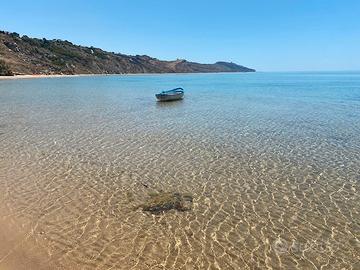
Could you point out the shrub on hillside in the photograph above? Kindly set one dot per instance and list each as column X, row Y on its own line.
column 5, row 69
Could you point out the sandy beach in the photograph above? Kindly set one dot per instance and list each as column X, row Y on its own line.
column 18, row 248
column 37, row 76
column 180, row 135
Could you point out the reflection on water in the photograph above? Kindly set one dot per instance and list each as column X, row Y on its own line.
column 170, row 104
column 271, row 160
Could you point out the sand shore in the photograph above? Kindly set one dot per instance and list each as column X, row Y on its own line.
column 36, row 76
column 19, row 249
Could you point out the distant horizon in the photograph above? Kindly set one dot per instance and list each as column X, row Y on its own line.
column 281, row 36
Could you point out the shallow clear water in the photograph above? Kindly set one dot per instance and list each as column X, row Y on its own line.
column 272, row 161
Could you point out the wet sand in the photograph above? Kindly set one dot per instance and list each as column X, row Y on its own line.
column 18, row 248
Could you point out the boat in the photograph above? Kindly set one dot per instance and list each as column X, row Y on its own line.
column 171, row 95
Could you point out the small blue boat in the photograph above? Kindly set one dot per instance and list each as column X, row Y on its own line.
column 170, row 95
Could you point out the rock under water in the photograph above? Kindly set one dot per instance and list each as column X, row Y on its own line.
column 165, row 201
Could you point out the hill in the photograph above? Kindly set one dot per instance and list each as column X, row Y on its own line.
column 25, row 55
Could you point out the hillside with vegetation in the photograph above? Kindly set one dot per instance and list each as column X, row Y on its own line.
column 24, row 55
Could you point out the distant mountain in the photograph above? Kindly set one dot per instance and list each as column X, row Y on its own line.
column 24, row 55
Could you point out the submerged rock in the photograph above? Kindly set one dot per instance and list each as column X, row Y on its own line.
column 165, row 201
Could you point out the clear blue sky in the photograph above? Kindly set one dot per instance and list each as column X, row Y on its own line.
column 269, row 35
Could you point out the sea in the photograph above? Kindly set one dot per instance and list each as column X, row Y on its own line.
column 270, row 159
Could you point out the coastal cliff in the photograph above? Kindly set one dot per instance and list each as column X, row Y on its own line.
column 22, row 55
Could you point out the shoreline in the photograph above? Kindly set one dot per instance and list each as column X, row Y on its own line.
column 40, row 76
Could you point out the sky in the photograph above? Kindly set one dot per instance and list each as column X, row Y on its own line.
column 268, row 35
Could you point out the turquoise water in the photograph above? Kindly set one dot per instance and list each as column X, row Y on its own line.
column 272, row 161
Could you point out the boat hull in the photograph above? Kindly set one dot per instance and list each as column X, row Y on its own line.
column 169, row 97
